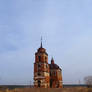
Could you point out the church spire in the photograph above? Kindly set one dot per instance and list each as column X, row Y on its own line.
column 41, row 42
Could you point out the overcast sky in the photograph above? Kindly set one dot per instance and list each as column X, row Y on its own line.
column 66, row 28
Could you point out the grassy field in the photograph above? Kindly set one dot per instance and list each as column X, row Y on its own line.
column 75, row 89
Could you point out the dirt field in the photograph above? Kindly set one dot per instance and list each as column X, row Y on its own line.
column 77, row 89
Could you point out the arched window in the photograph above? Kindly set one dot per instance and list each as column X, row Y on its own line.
column 46, row 65
column 39, row 58
column 54, row 73
column 50, row 73
column 39, row 74
column 45, row 59
column 39, row 65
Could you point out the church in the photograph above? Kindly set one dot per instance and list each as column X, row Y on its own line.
column 46, row 75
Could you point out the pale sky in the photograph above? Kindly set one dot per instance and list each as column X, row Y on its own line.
column 66, row 28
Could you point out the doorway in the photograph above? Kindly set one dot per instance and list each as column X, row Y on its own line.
column 39, row 83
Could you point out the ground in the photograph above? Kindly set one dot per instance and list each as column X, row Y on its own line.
column 73, row 89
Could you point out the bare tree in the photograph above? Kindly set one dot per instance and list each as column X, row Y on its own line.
column 88, row 81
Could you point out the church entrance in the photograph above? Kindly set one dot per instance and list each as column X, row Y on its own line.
column 39, row 83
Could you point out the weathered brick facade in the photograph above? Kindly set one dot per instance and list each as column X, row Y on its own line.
column 55, row 75
column 46, row 75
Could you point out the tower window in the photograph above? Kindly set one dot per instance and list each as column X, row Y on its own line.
column 46, row 66
column 39, row 74
column 54, row 73
column 50, row 74
column 39, row 58
column 39, row 65
column 45, row 59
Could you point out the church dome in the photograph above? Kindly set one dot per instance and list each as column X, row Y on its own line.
column 41, row 50
column 53, row 65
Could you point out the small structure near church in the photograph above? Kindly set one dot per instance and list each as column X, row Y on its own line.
column 46, row 75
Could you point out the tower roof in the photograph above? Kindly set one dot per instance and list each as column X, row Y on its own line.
column 41, row 49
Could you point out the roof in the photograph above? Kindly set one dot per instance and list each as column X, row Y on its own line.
column 54, row 66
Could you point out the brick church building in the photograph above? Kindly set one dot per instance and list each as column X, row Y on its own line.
column 46, row 75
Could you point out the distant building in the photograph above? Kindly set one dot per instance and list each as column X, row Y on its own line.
column 46, row 75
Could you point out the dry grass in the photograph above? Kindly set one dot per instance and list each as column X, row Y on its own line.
column 76, row 89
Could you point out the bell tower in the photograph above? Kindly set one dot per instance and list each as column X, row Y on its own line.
column 41, row 68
